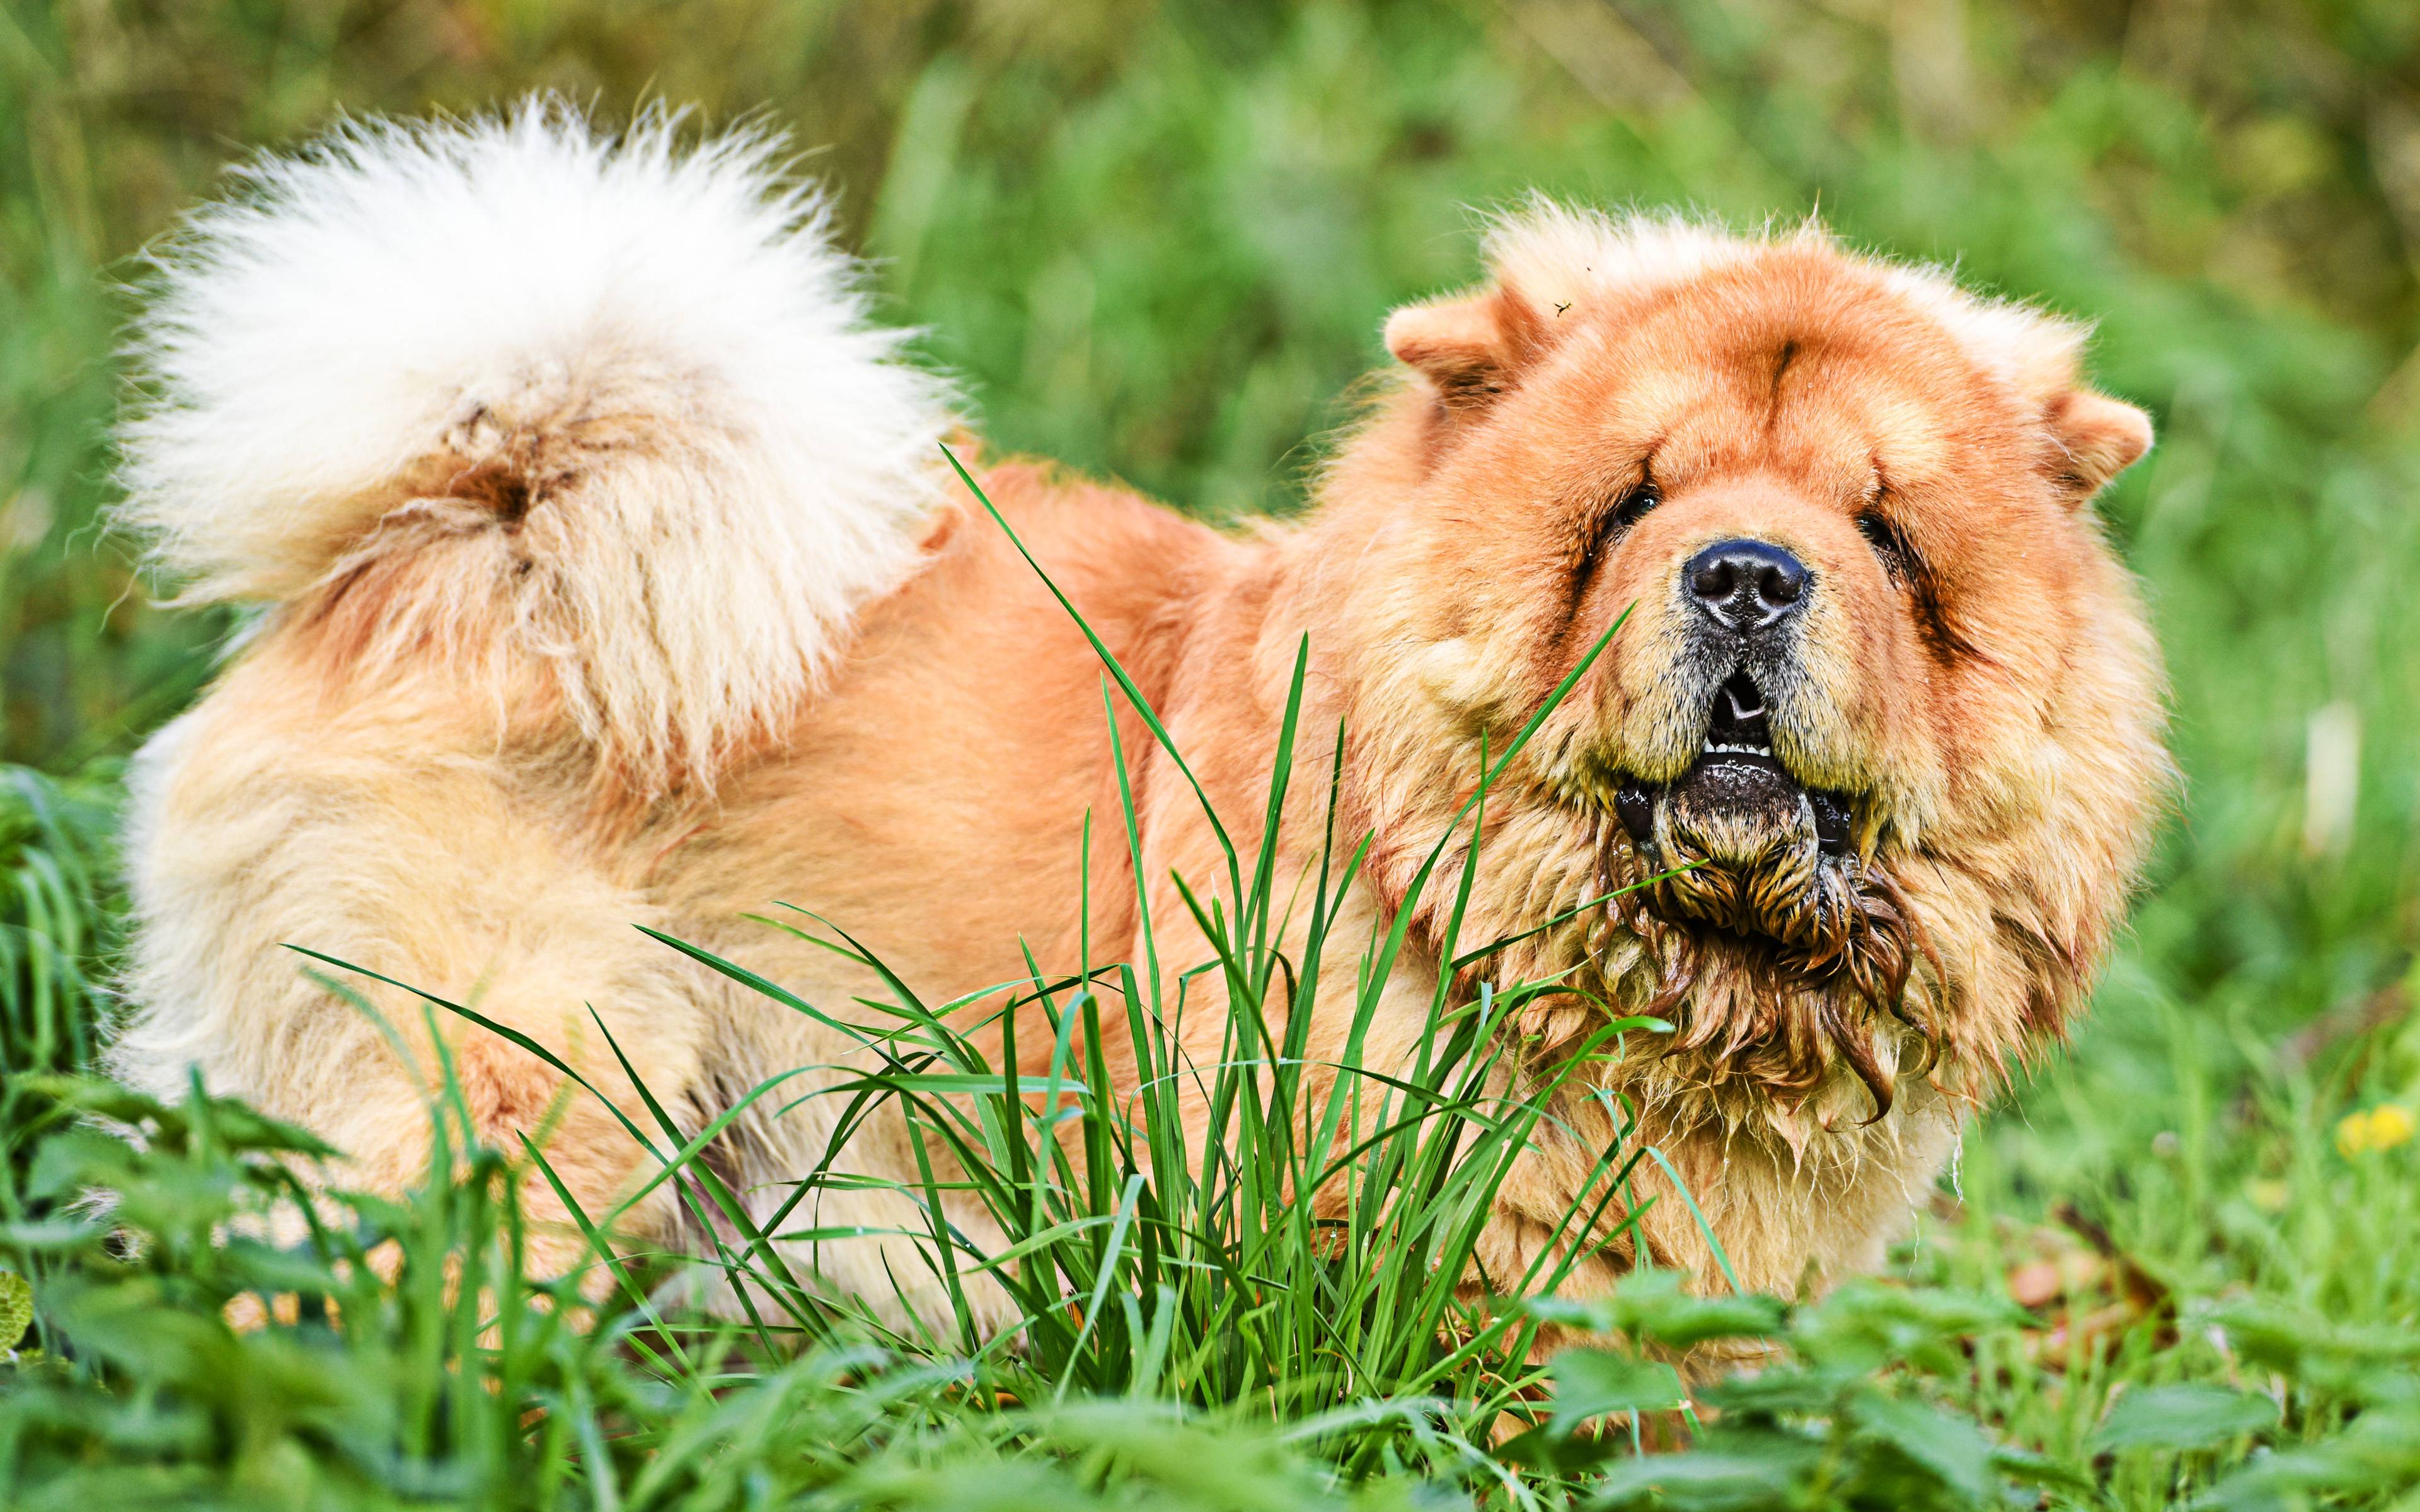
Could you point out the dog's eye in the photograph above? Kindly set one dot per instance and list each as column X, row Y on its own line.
column 1890, row 547
column 1626, row 512
column 1911, row 575
column 1631, row 507
column 1612, row 525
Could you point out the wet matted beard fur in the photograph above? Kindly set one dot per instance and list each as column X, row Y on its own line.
column 1824, row 978
column 1773, row 973
column 1776, row 958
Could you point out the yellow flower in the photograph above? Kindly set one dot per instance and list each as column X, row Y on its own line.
column 2382, row 1128
column 2389, row 1126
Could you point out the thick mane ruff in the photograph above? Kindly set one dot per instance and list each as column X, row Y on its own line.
column 1812, row 981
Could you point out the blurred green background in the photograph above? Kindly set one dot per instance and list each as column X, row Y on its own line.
column 1158, row 240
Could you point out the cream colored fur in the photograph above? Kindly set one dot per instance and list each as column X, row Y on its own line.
column 656, row 365
column 670, row 337
column 606, row 575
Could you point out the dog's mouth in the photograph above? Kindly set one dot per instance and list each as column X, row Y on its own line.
column 1744, row 871
column 1737, row 806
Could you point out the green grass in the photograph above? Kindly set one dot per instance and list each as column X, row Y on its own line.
column 1187, row 1331
column 1158, row 243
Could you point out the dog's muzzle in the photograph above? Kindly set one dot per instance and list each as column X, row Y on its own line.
column 1737, row 859
column 1764, row 855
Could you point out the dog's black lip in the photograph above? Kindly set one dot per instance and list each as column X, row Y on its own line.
column 1634, row 804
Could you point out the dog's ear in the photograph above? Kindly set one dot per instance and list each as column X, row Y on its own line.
column 1471, row 350
column 2097, row 437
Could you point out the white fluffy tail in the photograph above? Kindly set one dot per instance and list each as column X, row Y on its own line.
column 614, row 402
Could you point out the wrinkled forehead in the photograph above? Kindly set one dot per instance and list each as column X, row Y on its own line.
column 1791, row 362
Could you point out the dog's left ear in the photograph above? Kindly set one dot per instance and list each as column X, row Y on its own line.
column 2098, row 438
column 1472, row 349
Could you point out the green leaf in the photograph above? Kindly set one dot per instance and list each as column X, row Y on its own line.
column 1778, row 1390
column 2038, row 1469
column 42, row 1234
column 1866, row 1325
column 16, row 1308
column 2379, row 1455
column 1751, row 1473
column 1656, row 1306
column 1592, row 1382
column 2305, row 1346
column 2188, row 1416
column 1952, row 1450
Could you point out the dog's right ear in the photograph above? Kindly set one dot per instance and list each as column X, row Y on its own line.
column 1471, row 350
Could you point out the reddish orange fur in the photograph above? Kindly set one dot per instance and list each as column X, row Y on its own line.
column 2003, row 721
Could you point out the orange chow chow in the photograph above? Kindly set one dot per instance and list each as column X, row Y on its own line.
column 610, row 569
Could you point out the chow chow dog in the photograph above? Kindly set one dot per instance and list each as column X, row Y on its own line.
column 606, row 567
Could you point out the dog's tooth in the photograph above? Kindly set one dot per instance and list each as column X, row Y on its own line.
column 1868, row 834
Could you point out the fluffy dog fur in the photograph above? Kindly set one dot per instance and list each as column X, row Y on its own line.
column 609, row 572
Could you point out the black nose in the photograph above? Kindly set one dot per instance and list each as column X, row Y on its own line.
column 1745, row 585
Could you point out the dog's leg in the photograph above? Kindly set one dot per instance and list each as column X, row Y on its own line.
column 421, row 867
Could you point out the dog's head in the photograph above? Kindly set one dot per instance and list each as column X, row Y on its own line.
column 1879, row 730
